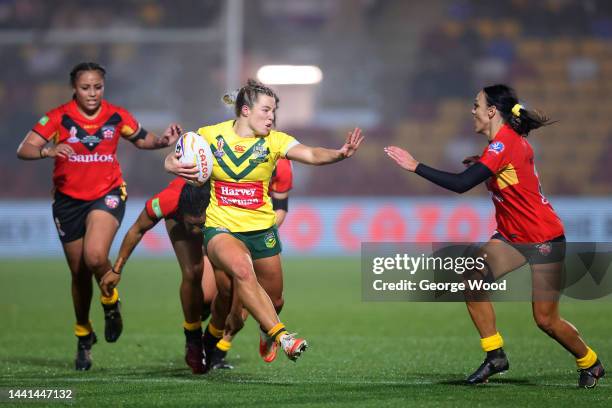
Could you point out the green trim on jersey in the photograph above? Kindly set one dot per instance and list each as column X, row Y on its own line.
column 237, row 161
column 156, row 208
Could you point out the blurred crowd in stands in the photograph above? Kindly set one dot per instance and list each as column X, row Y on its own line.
column 406, row 71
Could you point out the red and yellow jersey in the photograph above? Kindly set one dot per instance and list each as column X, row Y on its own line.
column 165, row 203
column 522, row 213
column 93, row 170
column 282, row 177
column 241, row 176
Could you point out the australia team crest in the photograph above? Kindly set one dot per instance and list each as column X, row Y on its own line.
column 259, row 155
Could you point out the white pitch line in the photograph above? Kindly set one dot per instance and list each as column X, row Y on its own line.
column 272, row 382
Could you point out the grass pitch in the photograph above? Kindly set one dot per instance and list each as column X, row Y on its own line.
column 361, row 354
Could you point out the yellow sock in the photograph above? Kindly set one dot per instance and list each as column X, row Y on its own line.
column 224, row 345
column 277, row 331
column 192, row 326
column 218, row 333
column 82, row 329
column 110, row 300
column 492, row 342
column 588, row 360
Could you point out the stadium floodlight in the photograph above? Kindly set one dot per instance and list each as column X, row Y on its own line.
column 290, row 74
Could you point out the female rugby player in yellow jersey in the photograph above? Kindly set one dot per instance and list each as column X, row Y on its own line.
column 240, row 235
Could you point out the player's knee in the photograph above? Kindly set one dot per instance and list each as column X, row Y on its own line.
column 545, row 322
column 96, row 260
column 192, row 275
column 243, row 272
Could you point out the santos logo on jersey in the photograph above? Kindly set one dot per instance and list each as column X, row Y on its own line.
column 91, row 158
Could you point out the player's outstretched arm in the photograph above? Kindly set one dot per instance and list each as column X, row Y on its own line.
column 112, row 277
column 320, row 155
column 459, row 183
column 151, row 141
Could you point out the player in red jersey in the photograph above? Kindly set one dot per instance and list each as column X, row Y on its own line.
column 227, row 318
column 90, row 195
column 183, row 207
column 528, row 229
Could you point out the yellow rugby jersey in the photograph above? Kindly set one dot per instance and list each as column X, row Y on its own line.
column 243, row 166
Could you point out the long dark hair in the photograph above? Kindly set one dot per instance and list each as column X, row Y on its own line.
column 519, row 118
column 194, row 200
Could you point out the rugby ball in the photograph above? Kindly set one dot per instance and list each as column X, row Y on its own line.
column 194, row 150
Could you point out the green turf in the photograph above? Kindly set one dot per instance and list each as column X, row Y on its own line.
column 362, row 354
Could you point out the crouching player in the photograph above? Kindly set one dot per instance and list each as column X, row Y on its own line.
column 183, row 207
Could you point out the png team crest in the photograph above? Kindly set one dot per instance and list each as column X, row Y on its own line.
column 544, row 249
column 108, row 132
column 496, row 147
column 111, row 201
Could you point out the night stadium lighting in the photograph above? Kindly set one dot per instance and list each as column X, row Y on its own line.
column 290, row 74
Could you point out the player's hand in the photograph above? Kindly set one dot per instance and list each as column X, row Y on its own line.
column 109, row 281
column 61, row 150
column 173, row 165
column 402, row 158
column 353, row 140
column 170, row 135
column 470, row 160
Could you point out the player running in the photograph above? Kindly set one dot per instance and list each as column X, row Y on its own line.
column 218, row 337
column 528, row 229
column 240, row 235
column 89, row 191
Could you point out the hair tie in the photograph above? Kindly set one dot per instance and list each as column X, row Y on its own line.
column 516, row 110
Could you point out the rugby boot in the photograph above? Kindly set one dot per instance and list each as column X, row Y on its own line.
column 215, row 360
column 113, row 323
column 195, row 356
column 589, row 376
column 292, row 346
column 495, row 362
column 267, row 347
column 82, row 361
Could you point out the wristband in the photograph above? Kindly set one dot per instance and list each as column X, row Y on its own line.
column 114, row 271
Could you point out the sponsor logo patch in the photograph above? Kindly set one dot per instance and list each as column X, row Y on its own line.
column 111, row 201
column 496, row 147
column 242, row 195
column 91, row 158
column 44, row 120
column 239, row 149
column 220, row 143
